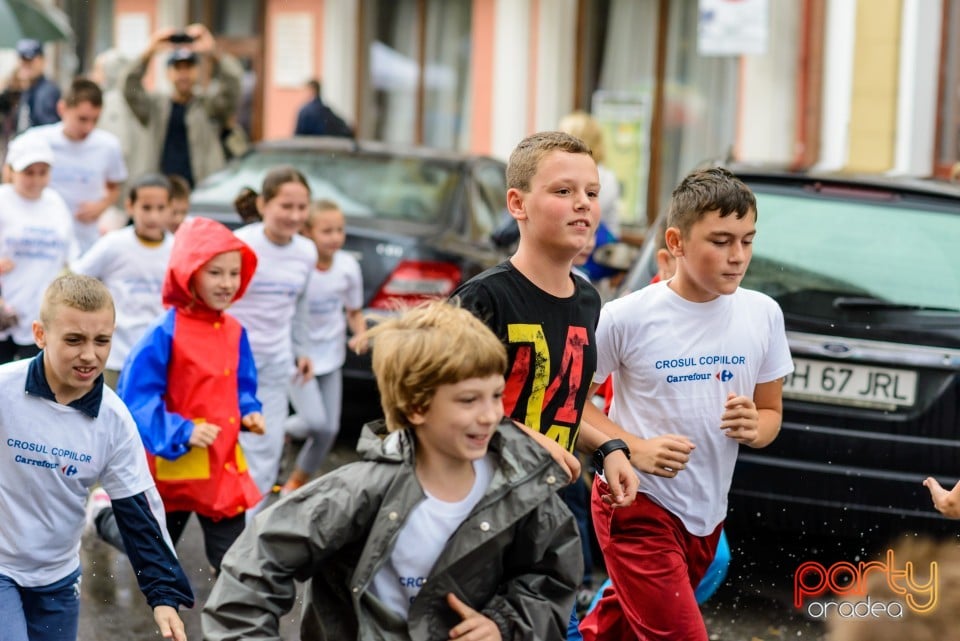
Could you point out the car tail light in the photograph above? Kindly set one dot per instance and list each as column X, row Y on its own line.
column 415, row 280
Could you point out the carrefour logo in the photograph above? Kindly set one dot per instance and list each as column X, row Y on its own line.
column 69, row 470
column 724, row 375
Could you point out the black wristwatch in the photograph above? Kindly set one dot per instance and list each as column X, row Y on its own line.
column 606, row 449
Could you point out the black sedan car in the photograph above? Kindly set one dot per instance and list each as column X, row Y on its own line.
column 419, row 221
column 867, row 272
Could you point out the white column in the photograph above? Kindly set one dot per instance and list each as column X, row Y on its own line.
column 917, row 87
column 767, row 117
column 511, row 69
column 340, row 71
column 837, row 84
column 556, row 51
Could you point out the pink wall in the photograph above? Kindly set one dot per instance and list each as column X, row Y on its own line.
column 481, row 61
column 280, row 104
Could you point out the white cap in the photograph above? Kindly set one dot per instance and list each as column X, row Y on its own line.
column 27, row 150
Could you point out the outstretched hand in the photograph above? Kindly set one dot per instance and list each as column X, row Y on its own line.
column 475, row 626
column 167, row 619
column 945, row 502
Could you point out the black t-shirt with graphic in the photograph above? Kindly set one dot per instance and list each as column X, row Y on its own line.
column 550, row 343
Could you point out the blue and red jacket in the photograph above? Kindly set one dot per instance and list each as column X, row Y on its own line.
column 194, row 364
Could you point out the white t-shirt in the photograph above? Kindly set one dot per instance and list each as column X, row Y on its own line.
column 133, row 271
column 50, row 457
column 422, row 538
column 37, row 235
column 674, row 362
column 330, row 292
column 81, row 170
column 268, row 307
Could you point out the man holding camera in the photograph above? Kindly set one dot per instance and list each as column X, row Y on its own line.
column 184, row 127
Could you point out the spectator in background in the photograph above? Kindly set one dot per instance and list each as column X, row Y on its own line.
column 116, row 116
column 586, row 128
column 179, row 202
column 317, row 119
column 30, row 93
column 183, row 128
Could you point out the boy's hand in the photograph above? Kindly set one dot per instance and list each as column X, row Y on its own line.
column 167, row 619
column 664, row 456
column 204, row 434
column 946, row 503
column 254, row 422
column 475, row 626
column 6, row 265
column 566, row 460
column 740, row 420
column 304, row 369
column 621, row 479
column 358, row 343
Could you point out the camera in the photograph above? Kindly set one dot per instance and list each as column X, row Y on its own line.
column 181, row 38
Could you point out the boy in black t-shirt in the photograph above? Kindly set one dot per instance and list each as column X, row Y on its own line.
column 544, row 315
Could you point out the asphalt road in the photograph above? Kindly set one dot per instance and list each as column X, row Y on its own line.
column 754, row 604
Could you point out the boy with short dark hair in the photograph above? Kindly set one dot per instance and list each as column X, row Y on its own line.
column 699, row 365
column 61, row 432
column 449, row 527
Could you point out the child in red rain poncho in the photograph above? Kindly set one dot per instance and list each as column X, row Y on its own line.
column 190, row 383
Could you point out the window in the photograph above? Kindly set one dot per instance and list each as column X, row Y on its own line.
column 418, row 61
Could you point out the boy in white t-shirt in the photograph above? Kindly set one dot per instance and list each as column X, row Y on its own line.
column 61, row 432
column 449, row 527
column 89, row 168
column 36, row 241
column 132, row 262
column 699, row 366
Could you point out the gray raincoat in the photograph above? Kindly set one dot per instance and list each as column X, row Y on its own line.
column 516, row 558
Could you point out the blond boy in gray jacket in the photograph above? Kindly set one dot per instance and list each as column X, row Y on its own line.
column 449, row 526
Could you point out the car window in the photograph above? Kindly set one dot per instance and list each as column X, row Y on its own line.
column 489, row 199
column 856, row 249
column 363, row 185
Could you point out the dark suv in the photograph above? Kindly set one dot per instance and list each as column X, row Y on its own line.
column 867, row 272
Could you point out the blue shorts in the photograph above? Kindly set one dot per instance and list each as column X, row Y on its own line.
column 44, row 613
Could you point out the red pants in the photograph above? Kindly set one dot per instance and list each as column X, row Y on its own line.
column 654, row 565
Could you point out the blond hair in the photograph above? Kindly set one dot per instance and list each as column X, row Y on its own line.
column 83, row 293
column 433, row 344
column 324, row 204
column 586, row 128
column 526, row 156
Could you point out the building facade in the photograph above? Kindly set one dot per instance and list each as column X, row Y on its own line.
column 847, row 85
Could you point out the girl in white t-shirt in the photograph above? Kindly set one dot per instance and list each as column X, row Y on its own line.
column 36, row 241
column 131, row 262
column 274, row 310
column 335, row 300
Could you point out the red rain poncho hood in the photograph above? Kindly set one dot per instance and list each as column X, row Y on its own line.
column 196, row 242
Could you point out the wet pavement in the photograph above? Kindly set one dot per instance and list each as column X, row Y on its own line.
column 754, row 604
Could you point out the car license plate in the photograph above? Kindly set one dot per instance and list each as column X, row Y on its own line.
column 850, row 384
